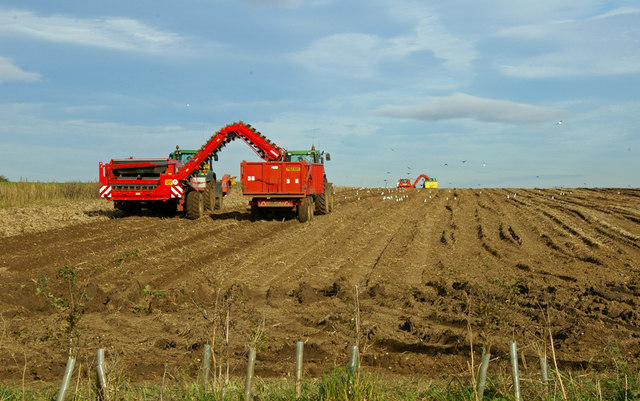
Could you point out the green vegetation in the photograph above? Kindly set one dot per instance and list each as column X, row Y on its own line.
column 126, row 255
column 68, row 303
column 342, row 384
column 148, row 294
column 23, row 193
column 345, row 384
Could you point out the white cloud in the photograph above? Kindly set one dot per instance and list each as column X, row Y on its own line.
column 124, row 34
column 606, row 44
column 430, row 34
column 11, row 72
column 349, row 53
column 358, row 54
column 460, row 105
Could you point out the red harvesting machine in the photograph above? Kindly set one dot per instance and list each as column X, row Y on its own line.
column 428, row 182
column 170, row 185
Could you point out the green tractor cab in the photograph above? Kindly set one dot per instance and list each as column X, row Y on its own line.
column 184, row 156
column 309, row 156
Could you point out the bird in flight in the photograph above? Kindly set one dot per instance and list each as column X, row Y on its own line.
column 559, row 122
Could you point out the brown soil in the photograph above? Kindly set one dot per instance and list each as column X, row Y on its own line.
column 423, row 264
column 35, row 219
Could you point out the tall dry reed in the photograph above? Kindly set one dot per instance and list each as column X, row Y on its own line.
column 20, row 194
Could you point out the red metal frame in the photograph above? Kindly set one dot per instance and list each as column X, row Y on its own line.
column 297, row 179
column 263, row 147
column 281, row 184
column 173, row 183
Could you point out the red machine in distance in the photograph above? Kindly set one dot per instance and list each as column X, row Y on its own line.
column 428, row 182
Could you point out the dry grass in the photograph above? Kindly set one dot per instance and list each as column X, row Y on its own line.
column 21, row 194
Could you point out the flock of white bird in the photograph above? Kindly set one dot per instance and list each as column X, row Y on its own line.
column 399, row 195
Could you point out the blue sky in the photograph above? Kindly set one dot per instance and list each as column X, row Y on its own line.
column 390, row 88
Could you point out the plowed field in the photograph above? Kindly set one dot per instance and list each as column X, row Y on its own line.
column 423, row 264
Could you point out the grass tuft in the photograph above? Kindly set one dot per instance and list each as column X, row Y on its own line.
column 347, row 384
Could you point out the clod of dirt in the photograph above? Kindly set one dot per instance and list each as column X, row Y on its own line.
column 377, row 290
column 236, row 294
column 164, row 343
column 97, row 299
column 305, row 294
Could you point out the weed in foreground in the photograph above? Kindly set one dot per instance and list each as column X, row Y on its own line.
column 344, row 384
column 347, row 384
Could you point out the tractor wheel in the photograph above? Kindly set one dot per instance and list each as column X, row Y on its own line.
column 330, row 197
column 304, row 211
column 209, row 196
column 218, row 196
column 323, row 199
column 195, row 205
column 312, row 207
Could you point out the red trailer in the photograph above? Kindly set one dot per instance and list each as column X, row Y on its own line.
column 298, row 184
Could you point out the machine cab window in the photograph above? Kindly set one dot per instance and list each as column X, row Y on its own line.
column 309, row 157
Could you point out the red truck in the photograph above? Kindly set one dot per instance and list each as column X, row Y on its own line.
column 169, row 185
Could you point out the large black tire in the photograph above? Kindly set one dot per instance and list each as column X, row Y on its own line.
column 330, row 196
column 194, row 205
column 218, row 195
column 304, row 211
column 323, row 199
column 209, row 196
